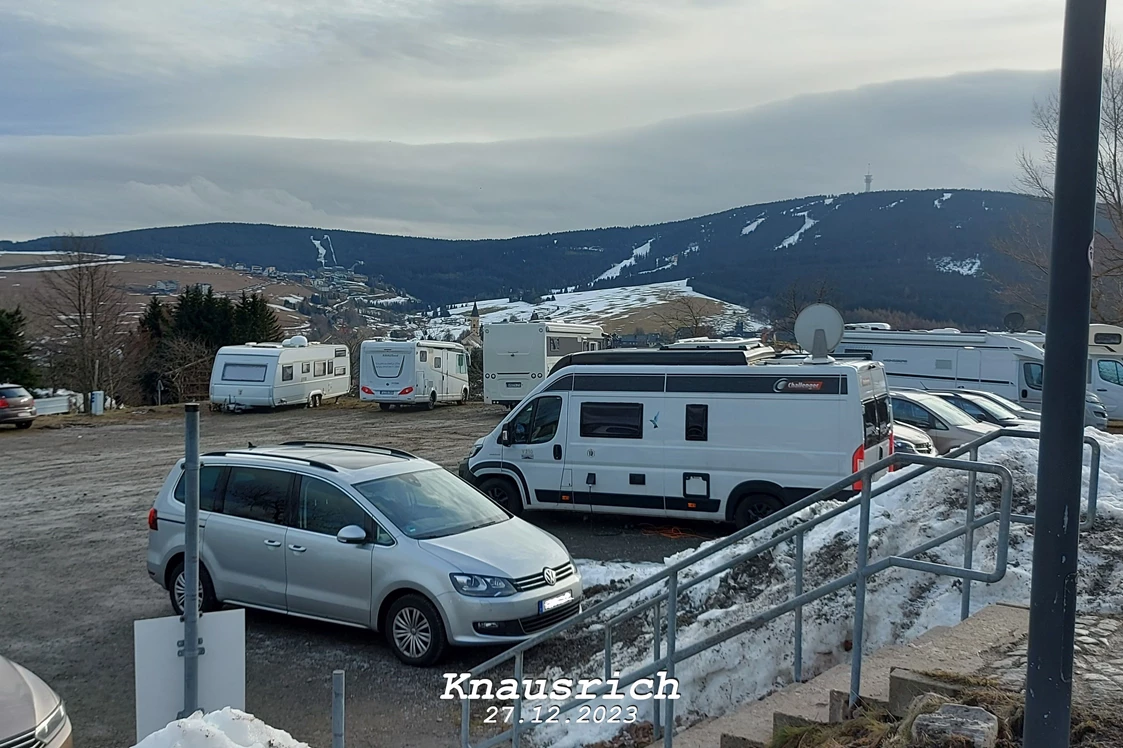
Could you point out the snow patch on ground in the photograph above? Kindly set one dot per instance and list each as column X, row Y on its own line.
column 752, row 226
column 939, row 202
column 901, row 604
column 391, row 301
column 808, row 222
column 828, row 201
column 892, row 205
column 614, row 271
column 969, row 266
column 228, row 728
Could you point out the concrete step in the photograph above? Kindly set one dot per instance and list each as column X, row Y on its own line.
column 958, row 649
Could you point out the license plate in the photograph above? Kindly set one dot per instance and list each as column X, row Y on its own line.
column 514, row 384
column 552, row 602
column 386, row 392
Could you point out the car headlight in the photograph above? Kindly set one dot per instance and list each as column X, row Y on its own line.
column 475, row 450
column 49, row 727
column 1093, row 398
column 900, row 445
column 476, row 585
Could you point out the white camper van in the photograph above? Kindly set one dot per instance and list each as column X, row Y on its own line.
column 721, row 434
column 949, row 359
column 519, row 355
column 412, row 372
column 267, row 375
column 1105, row 365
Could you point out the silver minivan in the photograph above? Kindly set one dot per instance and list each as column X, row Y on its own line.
column 364, row 536
column 947, row 426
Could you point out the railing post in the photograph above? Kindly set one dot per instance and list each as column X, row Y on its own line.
column 657, row 624
column 190, row 649
column 516, row 718
column 607, row 653
column 338, row 691
column 860, row 593
column 797, row 665
column 969, row 539
column 465, row 721
column 672, row 623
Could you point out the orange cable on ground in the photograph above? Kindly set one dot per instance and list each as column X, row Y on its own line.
column 672, row 533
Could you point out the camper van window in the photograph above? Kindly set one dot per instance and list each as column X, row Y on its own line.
column 612, row 420
column 305, row 368
column 341, row 371
column 325, row 509
column 460, row 365
column 286, row 373
column 321, row 369
column 244, row 372
column 884, row 417
column 436, row 362
column 559, row 346
column 697, row 423
column 1111, row 371
column 254, row 493
column 1107, row 338
column 341, row 353
column 870, row 426
column 423, row 356
column 1033, row 374
column 547, row 411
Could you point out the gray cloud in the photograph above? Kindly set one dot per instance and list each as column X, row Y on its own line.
column 955, row 132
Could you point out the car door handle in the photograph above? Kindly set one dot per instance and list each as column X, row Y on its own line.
column 557, row 452
column 273, row 543
column 297, row 548
column 1102, row 389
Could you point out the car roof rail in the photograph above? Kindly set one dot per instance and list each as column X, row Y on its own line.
column 393, row 452
column 312, row 463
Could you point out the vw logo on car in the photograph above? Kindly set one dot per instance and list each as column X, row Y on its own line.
column 550, row 576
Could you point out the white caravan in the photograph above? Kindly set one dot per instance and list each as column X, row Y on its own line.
column 1105, row 364
column 519, row 355
column 267, row 375
column 412, row 372
column 704, row 434
column 949, row 359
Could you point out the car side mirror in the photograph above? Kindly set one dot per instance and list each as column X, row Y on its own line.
column 351, row 535
column 505, row 438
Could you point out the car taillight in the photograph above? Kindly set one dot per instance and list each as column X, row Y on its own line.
column 367, row 390
column 406, row 391
column 858, row 463
column 3, row 402
column 152, row 519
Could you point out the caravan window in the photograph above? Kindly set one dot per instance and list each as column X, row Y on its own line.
column 286, row 373
column 1111, row 371
column 1107, row 338
column 612, row 420
column 423, row 356
column 436, row 362
column 305, row 368
column 697, row 423
column 340, row 371
column 244, row 372
column 341, row 353
column 321, row 369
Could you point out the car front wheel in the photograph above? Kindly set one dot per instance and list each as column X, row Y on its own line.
column 415, row 631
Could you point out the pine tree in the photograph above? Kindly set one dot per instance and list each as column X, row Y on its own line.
column 156, row 321
column 16, row 364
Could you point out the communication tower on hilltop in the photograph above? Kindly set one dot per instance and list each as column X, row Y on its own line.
column 869, row 178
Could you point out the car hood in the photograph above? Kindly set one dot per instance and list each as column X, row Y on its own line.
column 982, row 429
column 509, row 549
column 25, row 700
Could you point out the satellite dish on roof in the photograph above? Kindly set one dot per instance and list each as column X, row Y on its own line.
column 818, row 330
column 1014, row 322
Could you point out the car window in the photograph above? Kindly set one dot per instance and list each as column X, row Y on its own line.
column 1111, row 371
column 430, row 503
column 908, row 412
column 970, row 408
column 325, row 509
column 14, row 392
column 209, row 478
column 1033, row 374
column 947, row 412
column 258, row 494
column 547, row 412
column 987, row 406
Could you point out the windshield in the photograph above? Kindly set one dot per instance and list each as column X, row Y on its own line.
column 991, row 407
column 950, row 414
column 388, row 365
column 431, row 503
column 1009, row 405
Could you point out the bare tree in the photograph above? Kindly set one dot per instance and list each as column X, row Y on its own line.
column 84, row 314
column 688, row 315
column 1026, row 242
column 794, row 299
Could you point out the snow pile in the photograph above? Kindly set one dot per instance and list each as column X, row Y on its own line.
column 228, row 728
column 614, row 271
column 901, row 604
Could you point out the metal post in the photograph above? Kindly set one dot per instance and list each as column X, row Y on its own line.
column 517, row 714
column 969, row 540
column 672, row 623
column 657, row 624
column 191, row 562
column 1052, row 616
column 860, row 594
column 797, row 666
column 338, row 704
column 607, row 653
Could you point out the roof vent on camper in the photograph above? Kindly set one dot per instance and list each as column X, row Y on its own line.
column 296, row 341
column 818, row 330
column 869, row 326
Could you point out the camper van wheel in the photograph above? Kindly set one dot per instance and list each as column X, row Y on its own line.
column 432, row 401
column 463, row 397
column 753, row 508
column 385, row 406
column 503, row 492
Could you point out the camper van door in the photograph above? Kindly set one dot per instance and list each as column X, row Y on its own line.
column 968, row 366
column 535, row 448
column 1030, row 375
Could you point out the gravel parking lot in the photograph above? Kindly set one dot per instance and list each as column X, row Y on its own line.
column 73, row 579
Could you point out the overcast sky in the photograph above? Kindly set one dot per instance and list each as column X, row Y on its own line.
column 492, row 117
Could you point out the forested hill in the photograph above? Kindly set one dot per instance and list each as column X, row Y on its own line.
column 929, row 252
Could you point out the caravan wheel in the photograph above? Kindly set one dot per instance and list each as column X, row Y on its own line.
column 432, row 401
column 316, row 400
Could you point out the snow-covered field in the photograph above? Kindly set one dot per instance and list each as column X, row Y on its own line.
column 901, row 604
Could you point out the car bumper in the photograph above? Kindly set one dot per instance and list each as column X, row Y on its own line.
column 465, row 472
column 476, row 621
column 64, row 738
column 18, row 416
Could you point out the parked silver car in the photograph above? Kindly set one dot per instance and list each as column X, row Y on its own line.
column 910, row 440
column 17, row 407
column 32, row 715
column 985, row 410
column 948, row 426
column 364, row 536
column 1095, row 413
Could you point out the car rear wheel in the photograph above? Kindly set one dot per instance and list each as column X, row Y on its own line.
column 415, row 631
column 23, row 425
column 178, row 591
column 503, row 492
column 753, row 508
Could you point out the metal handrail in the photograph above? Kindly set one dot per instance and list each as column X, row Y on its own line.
column 864, row 569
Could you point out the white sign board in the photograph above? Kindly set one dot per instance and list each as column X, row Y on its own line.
column 159, row 669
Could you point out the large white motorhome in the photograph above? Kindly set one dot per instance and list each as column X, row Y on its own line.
column 412, row 372
column 1105, row 364
column 950, row 359
column 268, row 375
column 519, row 355
column 727, row 434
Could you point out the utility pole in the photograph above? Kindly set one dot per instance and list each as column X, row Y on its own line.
column 1052, row 617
